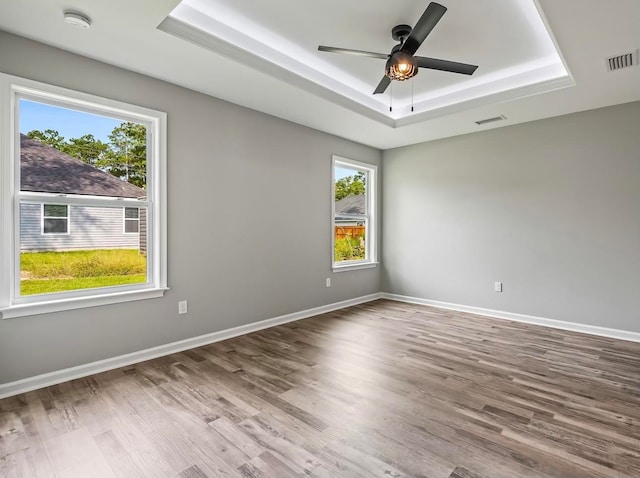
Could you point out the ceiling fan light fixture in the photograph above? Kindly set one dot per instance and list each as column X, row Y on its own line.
column 401, row 66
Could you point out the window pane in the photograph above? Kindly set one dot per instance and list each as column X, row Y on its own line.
column 96, row 252
column 131, row 226
column 350, row 191
column 350, row 241
column 131, row 212
column 55, row 226
column 66, row 151
column 55, row 210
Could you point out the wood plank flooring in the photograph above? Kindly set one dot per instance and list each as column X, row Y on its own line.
column 383, row 389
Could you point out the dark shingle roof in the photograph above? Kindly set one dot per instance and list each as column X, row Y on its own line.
column 351, row 205
column 45, row 169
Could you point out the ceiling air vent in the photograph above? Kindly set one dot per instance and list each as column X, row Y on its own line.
column 622, row 61
column 491, row 120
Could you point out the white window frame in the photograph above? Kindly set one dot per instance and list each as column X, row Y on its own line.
column 370, row 217
column 43, row 217
column 12, row 304
column 125, row 219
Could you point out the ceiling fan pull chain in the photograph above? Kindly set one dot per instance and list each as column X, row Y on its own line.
column 391, row 97
column 412, row 95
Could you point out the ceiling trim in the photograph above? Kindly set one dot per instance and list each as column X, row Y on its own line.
column 545, row 86
column 217, row 45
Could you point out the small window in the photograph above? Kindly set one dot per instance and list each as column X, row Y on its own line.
column 131, row 220
column 55, row 219
column 354, row 222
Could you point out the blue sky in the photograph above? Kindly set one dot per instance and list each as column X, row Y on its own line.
column 344, row 172
column 69, row 123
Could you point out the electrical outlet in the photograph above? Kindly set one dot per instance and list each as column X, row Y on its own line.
column 328, row 282
column 498, row 286
column 182, row 307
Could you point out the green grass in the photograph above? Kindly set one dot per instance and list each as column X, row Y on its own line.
column 348, row 249
column 47, row 286
column 46, row 272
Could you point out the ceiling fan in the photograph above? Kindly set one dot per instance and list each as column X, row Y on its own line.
column 401, row 62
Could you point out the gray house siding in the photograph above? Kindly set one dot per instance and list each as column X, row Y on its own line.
column 89, row 228
column 143, row 231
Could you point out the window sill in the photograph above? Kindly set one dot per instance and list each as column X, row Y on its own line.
column 22, row 310
column 353, row 267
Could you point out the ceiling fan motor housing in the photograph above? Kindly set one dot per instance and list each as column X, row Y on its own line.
column 400, row 32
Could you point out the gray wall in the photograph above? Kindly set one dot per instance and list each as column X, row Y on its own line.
column 550, row 208
column 249, row 221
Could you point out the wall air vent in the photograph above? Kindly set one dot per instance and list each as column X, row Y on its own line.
column 622, row 61
column 491, row 120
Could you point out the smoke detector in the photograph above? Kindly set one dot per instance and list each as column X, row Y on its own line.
column 77, row 19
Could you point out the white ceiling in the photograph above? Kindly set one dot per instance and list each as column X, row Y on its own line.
column 536, row 59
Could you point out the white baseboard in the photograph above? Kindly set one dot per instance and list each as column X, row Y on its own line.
column 529, row 319
column 59, row 376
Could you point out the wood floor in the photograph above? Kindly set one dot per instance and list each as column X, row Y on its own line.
column 384, row 389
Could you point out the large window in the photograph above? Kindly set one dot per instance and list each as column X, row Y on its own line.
column 354, row 220
column 79, row 174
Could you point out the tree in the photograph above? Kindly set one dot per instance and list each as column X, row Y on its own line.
column 127, row 155
column 350, row 186
column 87, row 149
column 50, row 137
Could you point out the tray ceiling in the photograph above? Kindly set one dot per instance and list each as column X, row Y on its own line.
column 510, row 41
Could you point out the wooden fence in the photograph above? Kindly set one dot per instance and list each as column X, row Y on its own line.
column 349, row 231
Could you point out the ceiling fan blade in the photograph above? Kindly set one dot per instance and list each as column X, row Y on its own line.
column 384, row 83
column 428, row 20
column 445, row 65
column 331, row 49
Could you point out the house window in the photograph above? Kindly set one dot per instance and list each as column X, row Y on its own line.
column 131, row 220
column 55, row 219
column 354, row 219
column 78, row 175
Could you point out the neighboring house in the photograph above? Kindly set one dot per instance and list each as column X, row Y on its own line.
column 345, row 209
column 350, row 206
column 54, row 227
